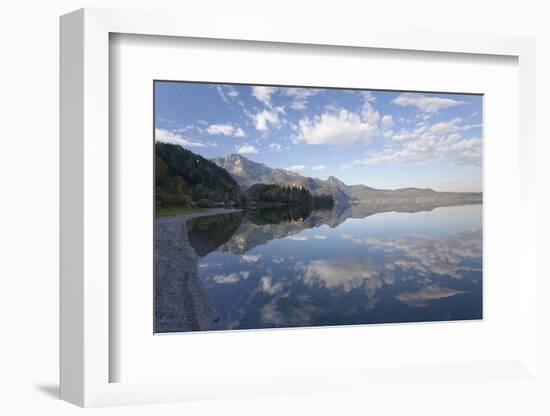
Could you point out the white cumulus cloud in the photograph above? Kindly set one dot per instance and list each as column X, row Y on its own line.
column 167, row 136
column 296, row 168
column 319, row 167
column 246, row 149
column 425, row 103
column 387, row 122
column 341, row 127
column 226, row 91
column 263, row 94
column 299, row 96
column 233, row 92
column 428, row 142
column 264, row 119
column 225, row 130
column 298, row 105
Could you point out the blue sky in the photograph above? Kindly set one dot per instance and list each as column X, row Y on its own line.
column 381, row 139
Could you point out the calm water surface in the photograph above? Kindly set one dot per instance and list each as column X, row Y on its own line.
column 267, row 270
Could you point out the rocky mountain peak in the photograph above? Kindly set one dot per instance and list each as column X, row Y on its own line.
column 335, row 180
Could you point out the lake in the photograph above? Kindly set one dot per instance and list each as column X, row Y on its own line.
column 277, row 268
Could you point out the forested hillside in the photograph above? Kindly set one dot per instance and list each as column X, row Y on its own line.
column 185, row 179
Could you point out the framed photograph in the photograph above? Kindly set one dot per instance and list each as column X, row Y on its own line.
column 273, row 213
column 282, row 207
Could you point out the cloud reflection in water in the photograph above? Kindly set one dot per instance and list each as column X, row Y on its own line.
column 328, row 276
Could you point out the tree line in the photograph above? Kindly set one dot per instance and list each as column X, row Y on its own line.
column 185, row 179
column 285, row 195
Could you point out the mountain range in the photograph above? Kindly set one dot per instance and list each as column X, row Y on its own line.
column 247, row 173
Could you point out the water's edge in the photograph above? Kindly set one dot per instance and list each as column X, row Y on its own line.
column 174, row 256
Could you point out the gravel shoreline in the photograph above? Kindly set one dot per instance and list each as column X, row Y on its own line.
column 181, row 303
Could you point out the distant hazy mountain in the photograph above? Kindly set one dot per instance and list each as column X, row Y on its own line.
column 247, row 173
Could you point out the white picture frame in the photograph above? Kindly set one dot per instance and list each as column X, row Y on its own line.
column 85, row 211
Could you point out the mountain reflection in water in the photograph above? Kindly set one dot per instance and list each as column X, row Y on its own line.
column 286, row 268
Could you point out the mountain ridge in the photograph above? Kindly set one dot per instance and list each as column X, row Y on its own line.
column 247, row 173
